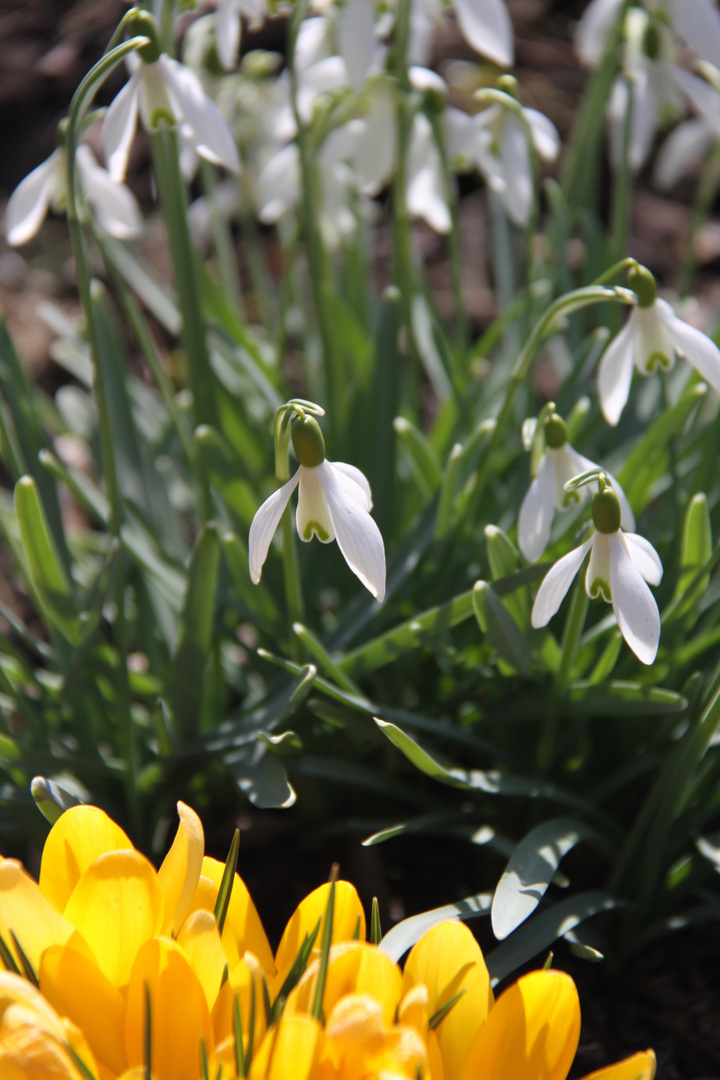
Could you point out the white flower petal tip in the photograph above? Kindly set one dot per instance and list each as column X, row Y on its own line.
column 633, row 603
column 31, row 199
column 555, row 585
column 487, row 28
column 696, row 347
column 334, row 503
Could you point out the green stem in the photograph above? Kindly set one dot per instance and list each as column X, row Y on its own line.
column 222, row 239
column 570, row 641
column 317, row 258
column 620, row 212
column 82, row 99
column 454, row 246
column 174, row 202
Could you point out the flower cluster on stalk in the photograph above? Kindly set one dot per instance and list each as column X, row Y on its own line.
column 113, row 971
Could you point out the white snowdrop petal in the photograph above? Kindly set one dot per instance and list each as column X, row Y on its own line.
column 654, row 346
column 594, row 28
column 545, row 135
column 278, row 185
column 356, row 39
column 212, row 136
column 30, row 201
column 375, row 142
column 354, row 482
column 597, row 576
column 698, row 21
column 685, row 148
column 358, row 536
column 265, row 523
column 644, row 557
column 426, row 180
column 313, row 517
column 118, row 128
column 633, row 603
column 422, row 78
column 487, row 27
column 536, row 512
column 517, row 172
column 556, row 583
column 695, row 346
column 615, row 373
column 701, row 94
column 227, row 33
column 114, row 204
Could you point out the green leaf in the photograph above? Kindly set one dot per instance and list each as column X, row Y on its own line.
column 196, row 625
column 426, row 467
column 535, row 936
column 47, row 573
column 261, row 777
column 530, row 870
column 491, row 782
column 504, row 559
column 382, row 408
column 226, row 885
column 422, row 328
column 408, row 932
column 618, row 698
column 500, row 628
column 694, row 555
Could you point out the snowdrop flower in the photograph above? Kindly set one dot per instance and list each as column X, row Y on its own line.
column 426, row 185
column 697, row 22
column 485, row 25
column 114, row 204
column 495, row 142
column 620, row 566
column 162, row 88
column 546, row 494
column 334, row 503
column 650, row 339
column 227, row 27
column 685, row 149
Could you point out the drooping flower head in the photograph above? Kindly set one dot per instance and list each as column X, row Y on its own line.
column 558, row 464
column 334, row 503
column 162, row 88
column 651, row 338
column 621, row 564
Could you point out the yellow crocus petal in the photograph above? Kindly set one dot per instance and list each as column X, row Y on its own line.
column 348, row 922
column 76, row 988
column 360, row 1044
column 200, row 941
column 446, row 960
column 354, row 968
column 239, row 984
column 74, row 842
column 14, row 990
column 29, row 1052
column 531, row 1033
column 242, row 916
column 413, row 1012
column 179, row 874
column 28, row 914
column 117, row 906
column 289, row 1051
column 638, row 1067
column 179, row 1015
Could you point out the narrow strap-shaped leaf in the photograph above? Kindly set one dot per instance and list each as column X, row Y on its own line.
column 226, row 884
column 375, row 927
column 530, row 870
column 47, row 572
column 196, row 624
column 317, row 1005
column 240, row 1069
column 296, row 971
column 439, row 1015
column 408, row 932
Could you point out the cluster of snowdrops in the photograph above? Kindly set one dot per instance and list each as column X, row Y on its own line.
column 116, row 970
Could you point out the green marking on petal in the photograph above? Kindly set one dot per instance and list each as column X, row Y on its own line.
column 600, row 588
column 315, row 527
column 161, row 115
column 658, row 360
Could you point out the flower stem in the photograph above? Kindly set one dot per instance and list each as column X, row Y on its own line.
column 571, row 638
column 454, row 247
column 703, row 203
column 174, row 202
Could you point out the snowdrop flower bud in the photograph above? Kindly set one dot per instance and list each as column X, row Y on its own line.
column 651, row 338
column 621, row 566
column 559, row 464
column 334, row 503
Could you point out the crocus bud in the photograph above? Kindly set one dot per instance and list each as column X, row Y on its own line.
column 308, row 442
column 605, row 508
column 642, row 283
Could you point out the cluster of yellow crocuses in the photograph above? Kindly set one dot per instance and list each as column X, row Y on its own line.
column 115, row 970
